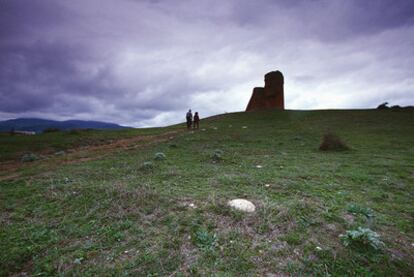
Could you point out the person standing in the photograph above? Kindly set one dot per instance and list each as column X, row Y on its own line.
column 196, row 123
column 189, row 118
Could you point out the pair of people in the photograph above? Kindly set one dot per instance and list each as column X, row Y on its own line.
column 189, row 118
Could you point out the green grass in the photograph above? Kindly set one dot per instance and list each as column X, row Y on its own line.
column 14, row 147
column 118, row 215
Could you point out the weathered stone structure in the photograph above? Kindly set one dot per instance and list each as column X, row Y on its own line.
column 269, row 97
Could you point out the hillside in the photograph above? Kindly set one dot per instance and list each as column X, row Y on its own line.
column 107, row 207
column 38, row 125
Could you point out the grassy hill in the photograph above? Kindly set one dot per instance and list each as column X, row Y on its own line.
column 112, row 209
column 39, row 125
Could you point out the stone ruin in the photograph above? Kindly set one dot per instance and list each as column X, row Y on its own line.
column 269, row 97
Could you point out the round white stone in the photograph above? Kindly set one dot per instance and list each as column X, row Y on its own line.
column 242, row 205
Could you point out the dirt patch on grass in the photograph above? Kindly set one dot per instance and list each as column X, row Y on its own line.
column 8, row 169
column 189, row 253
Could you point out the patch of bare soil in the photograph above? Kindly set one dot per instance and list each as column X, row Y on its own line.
column 8, row 169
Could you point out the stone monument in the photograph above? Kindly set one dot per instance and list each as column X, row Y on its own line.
column 269, row 97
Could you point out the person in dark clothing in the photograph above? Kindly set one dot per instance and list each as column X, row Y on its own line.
column 196, row 123
column 189, row 118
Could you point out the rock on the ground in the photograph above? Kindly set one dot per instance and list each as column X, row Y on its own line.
column 242, row 205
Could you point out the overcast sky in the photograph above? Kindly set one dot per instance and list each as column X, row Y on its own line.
column 145, row 62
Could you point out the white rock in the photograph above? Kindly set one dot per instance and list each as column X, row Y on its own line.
column 242, row 205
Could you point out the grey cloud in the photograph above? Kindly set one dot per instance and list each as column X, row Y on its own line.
column 145, row 62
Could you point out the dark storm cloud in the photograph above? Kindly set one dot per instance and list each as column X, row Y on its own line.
column 144, row 63
column 36, row 75
column 19, row 19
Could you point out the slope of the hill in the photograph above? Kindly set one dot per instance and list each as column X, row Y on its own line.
column 13, row 147
column 128, row 213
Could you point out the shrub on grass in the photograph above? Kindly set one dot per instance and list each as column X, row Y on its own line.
column 29, row 157
column 217, row 155
column 332, row 142
column 383, row 106
column 362, row 237
column 159, row 156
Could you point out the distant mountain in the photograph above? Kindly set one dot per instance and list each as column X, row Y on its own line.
column 38, row 125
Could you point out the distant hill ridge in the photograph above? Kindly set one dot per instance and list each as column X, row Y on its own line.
column 38, row 125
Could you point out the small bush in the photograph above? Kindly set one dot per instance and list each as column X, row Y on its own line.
column 383, row 106
column 29, row 157
column 364, row 237
column 159, row 156
column 217, row 155
column 356, row 209
column 332, row 142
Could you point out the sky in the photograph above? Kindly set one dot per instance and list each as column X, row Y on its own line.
column 144, row 63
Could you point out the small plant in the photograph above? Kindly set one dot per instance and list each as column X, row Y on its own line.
column 29, row 157
column 217, row 155
column 363, row 237
column 205, row 240
column 356, row 209
column 332, row 142
column 159, row 156
column 146, row 166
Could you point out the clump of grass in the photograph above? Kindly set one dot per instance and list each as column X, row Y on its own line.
column 217, row 155
column 293, row 238
column 266, row 216
column 362, row 237
column 159, row 156
column 332, row 142
column 29, row 157
column 205, row 240
column 356, row 209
